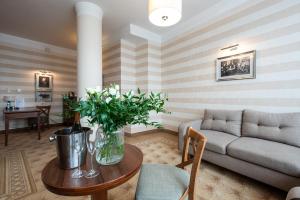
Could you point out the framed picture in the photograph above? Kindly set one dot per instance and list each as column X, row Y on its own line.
column 43, row 96
column 236, row 67
column 43, row 82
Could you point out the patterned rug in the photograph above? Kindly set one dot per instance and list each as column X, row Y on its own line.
column 16, row 178
column 22, row 161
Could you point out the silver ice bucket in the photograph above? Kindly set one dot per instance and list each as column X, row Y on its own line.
column 66, row 153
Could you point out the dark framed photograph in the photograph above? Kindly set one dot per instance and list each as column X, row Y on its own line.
column 43, row 96
column 43, row 82
column 236, row 67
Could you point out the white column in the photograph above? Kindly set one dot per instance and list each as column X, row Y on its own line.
column 89, row 46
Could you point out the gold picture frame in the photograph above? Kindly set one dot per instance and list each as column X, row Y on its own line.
column 43, row 82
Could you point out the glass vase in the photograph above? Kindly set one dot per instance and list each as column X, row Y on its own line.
column 110, row 148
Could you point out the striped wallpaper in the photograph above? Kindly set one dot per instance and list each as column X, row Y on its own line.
column 20, row 59
column 148, row 74
column 183, row 67
column 272, row 28
column 128, row 66
column 111, row 64
column 133, row 66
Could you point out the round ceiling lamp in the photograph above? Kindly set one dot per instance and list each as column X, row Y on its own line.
column 164, row 12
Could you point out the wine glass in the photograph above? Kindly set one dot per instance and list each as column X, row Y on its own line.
column 78, row 145
column 91, row 142
column 99, row 144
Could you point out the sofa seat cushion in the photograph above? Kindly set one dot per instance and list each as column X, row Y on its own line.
column 218, row 141
column 228, row 121
column 273, row 155
column 158, row 181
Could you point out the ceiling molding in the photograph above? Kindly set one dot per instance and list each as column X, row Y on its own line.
column 57, row 26
column 134, row 34
column 214, row 13
column 144, row 33
column 10, row 39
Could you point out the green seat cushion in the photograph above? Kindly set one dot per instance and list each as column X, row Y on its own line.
column 161, row 182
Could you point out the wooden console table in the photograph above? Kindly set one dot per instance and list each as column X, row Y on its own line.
column 60, row 181
column 21, row 113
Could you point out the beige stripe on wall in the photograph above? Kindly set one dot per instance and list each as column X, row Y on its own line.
column 111, row 65
column 188, row 65
column 242, row 13
column 17, row 67
column 184, row 67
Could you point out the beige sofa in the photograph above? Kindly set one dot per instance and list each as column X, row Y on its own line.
column 262, row 146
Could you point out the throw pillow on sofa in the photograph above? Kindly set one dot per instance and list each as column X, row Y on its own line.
column 277, row 127
column 227, row 121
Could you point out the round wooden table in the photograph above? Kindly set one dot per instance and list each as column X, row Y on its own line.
column 59, row 181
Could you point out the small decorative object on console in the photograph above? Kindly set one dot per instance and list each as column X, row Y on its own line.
column 9, row 100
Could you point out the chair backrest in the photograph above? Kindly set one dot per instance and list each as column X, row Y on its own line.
column 194, row 141
column 45, row 110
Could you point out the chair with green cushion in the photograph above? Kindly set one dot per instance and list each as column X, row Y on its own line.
column 166, row 182
column 293, row 194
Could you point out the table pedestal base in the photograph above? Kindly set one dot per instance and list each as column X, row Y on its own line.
column 99, row 196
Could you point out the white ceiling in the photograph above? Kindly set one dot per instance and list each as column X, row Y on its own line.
column 54, row 21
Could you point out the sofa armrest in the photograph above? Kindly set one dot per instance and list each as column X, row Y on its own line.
column 293, row 194
column 196, row 124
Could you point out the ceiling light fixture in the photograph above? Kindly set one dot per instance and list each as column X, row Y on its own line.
column 165, row 12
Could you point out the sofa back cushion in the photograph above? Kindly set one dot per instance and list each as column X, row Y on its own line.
column 278, row 127
column 227, row 121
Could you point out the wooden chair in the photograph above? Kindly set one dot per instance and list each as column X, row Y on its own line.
column 167, row 182
column 44, row 117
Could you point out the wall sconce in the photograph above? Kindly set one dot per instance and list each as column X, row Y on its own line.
column 231, row 48
column 45, row 72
